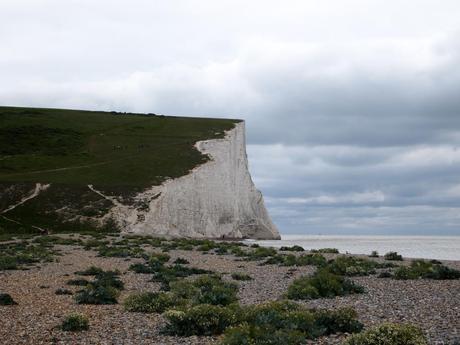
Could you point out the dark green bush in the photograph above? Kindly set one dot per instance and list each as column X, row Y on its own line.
column 293, row 260
column 374, row 254
column 151, row 302
column 342, row 320
column 325, row 250
column 62, row 291
column 202, row 319
column 285, row 322
column 75, row 322
column 91, row 271
column 393, row 256
column 246, row 334
column 6, row 299
column 293, row 249
column 241, row 276
column 352, row 266
column 104, row 289
column 206, row 289
column 322, row 284
column 261, row 252
column 426, row 270
column 389, row 334
column 78, row 282
column 181, row 261
column 97, row 294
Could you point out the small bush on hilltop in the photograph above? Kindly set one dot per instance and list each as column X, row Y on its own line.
column 374, row 254
column 322, row 284
column 393, row 256
column 75, row 322
column 389, row 334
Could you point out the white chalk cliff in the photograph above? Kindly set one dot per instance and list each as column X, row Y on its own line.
column 215, row 200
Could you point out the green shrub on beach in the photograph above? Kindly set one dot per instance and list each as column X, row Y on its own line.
column 426, row 270
column 207, row 289
column 285, row 322
column 104, row 289
column 322, row 284
column 241, row 276
column 6, row 299
column 150, row 302
column 389, row 334
column 393, row 256
column 202, row 319
column 294, row 248
column 325, row 251
column 75, row 322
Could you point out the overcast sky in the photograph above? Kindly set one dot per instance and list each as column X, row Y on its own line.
column 352, row 106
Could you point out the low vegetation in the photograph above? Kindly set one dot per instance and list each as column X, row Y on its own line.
column 18, row 255
column 270, row 323
column 426, row 270
column 75, row 322
column 104, row 289
column 322, row 284
column 389, row 334
column 151, row 302
column 393, row 256
column 6, row 299
column 241, row 276
column 325, row 250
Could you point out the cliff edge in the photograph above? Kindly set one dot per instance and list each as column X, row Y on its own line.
column 215, row 200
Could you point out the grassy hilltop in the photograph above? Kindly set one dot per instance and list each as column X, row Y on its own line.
column 119, row 153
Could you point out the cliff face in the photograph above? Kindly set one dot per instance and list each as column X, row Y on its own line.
column 217, row 199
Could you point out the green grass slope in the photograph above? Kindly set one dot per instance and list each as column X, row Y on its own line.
column 118, row 153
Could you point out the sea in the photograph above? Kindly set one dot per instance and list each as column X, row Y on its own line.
column 426, row 247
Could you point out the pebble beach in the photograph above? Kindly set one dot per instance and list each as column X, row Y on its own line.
column 433, row 305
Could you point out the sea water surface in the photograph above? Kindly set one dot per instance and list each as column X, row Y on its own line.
column 427, row 247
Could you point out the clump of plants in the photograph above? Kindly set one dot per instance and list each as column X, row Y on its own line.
column 288, row 323
column 393, row 256
column 294, row 248
column 62, row 291
column 353, row 266
column 426, row 270
column 104, row 289
column 325, row 251
column 75, row 322
column 207, row 289
column 6, row 299
column 91, row 271
column 389, row 334
column 374, row 254
column 241, row 276
column 19, row 254
column 78, row 282
column 181, row 261
column 322, row 284
column 202, row 319
column 120, row 251
column 293, row 260
column 151, row 302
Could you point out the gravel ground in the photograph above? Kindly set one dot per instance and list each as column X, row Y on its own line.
column 433, row 305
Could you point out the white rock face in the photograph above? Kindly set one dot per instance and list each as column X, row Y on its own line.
column 215, row 200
